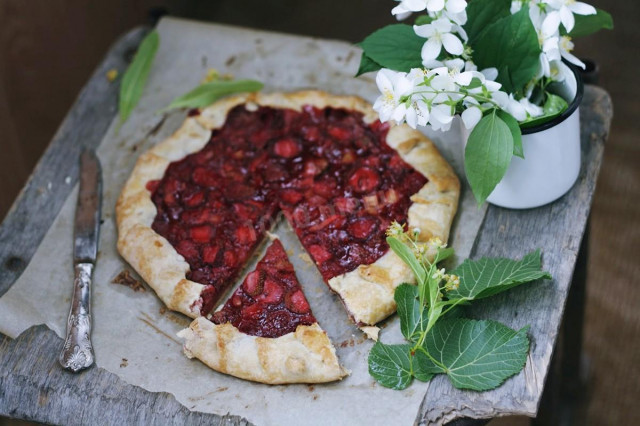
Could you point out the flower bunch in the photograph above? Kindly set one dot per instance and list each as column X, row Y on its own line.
column 490, row 61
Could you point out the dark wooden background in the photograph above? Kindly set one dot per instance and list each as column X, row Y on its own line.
column 48, row 48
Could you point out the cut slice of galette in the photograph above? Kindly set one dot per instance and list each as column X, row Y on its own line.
column 198, row 204
column 266, row 331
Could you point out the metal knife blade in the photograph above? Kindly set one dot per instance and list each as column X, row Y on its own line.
column 77, row 353
column 87, row 224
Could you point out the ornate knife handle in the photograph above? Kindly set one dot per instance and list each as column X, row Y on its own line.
column 77, row 353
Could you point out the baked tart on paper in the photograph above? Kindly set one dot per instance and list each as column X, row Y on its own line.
column 199, row 203
column 266, row 331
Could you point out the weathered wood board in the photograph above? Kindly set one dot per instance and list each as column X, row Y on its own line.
column 556, row 228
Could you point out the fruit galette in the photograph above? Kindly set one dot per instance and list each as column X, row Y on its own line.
column 266, row 331
column 198, row 204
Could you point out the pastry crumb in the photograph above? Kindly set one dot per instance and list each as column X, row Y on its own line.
column 124, row 278
column 271, row 235
column 162, row 310
column 124, row 363
column 305, row 257
column 371, row 332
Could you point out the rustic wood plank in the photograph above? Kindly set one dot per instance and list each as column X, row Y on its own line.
column 96, row 396
column 48, row 187
column 557, row 229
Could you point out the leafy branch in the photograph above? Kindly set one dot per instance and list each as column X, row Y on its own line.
column 477, row 355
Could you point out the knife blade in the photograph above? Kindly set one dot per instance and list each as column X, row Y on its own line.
column 77, row 352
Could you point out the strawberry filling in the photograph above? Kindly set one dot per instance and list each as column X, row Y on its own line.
column 336, row 180
column 270, row 302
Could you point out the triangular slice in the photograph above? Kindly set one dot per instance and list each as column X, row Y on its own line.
column 266, row 331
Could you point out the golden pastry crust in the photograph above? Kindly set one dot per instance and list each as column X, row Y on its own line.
column 303, row 356
column 367, row 292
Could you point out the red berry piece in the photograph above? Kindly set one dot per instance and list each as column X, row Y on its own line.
column 238, row 191
column 246, row 234
column 187, row 249
column 210, row 253
column 194, row 200
column 274, row 172
column 325, row 188
column 254, row 283
column 236, row 300
column 363, row 227
column 230, row 259
column 272, row 292
column 260, row 137
column 310, row 133
column 205, row 177
column 152, row 185
column 319, row 253
column 201, row 234
column 364, row 180
column 252, row 312
column 290, row 196
column 287, row 148
column 296, row 302
column 244, row 211
column 339, row 133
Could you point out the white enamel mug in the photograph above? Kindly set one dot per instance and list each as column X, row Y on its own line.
column 551, row 163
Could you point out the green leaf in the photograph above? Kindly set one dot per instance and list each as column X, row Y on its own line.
column 423, row 20
column 136, row 75
column 413, row 316
column 395, row 46
column 487, row 277
column 207, row 93
column 407, row 257
column 367, row 65
column 390, row 365
column 482, row 13
column 589, row 24
column 553, row 107
column 487, row 155
column 443, row 253
column 477, row 355
column 516, row 133
column 423, row 368
column 510, row 44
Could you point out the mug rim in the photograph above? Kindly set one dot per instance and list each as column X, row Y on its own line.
column 573, row 106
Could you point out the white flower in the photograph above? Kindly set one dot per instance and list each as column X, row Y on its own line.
column 406, row 7
column 458, row 18
column 516, row 5
column 515, row 108
column 438, row 34
column 456, row 6
column 415, row 114
column 566, row 8
column 393, row 86
column 530, row 108
column 441, row 117
column 559, row 71
column 471, row 116
column 566, row 46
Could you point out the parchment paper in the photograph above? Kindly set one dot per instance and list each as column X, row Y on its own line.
column 134, row 336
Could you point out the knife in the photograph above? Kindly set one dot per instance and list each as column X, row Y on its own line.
column 77, row 353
